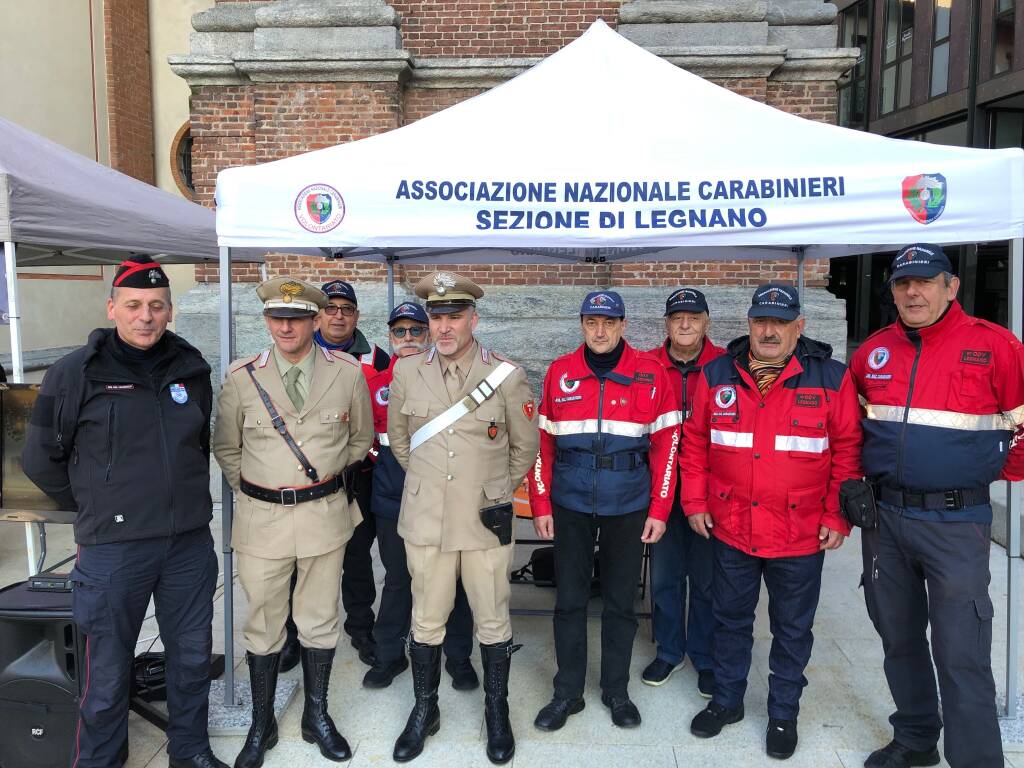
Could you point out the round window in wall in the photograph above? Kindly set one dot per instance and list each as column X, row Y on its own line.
column 181, row 161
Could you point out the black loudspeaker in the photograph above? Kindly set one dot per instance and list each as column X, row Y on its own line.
column 41, row 673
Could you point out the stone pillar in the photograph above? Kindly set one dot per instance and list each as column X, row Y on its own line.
column 275, row 79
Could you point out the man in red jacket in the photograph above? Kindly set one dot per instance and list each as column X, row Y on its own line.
column 609, row 433
column 775, row 430
column 682, row 561
column 944, row 399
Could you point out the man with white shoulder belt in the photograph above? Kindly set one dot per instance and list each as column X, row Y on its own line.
column 462, row 423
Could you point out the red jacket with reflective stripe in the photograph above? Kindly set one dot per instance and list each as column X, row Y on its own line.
column 944, row 407
column 768, row 469
column 684, row 389
column 630, row 412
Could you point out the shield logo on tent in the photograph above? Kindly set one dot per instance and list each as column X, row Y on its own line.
column 318, row 206
column 924, row 196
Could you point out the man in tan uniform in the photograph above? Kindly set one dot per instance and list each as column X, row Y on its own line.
column 289, row 423
column 462, row 423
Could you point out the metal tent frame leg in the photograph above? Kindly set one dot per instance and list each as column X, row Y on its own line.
column 32, row 546
column 1013, row 502
column 227, row 499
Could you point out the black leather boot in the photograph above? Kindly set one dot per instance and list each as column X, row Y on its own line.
column 497, row 659
column 262, row 734
column 317, row 726
column 425, row 718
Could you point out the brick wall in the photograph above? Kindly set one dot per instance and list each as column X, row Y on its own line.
column 812, row 100
column 129, row 87
column 496, row 28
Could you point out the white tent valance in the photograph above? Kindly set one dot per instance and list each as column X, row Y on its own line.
column 604, row 144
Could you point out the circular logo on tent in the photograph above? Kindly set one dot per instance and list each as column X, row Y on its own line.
column 878, row 358
column 319, row 208
column 725, row 397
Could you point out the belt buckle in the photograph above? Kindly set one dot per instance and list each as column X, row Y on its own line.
column 285, row 499
column 953, row 500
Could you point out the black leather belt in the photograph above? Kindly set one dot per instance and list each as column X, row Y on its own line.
column 957, row 498
column 289, row 497
column 618, row 462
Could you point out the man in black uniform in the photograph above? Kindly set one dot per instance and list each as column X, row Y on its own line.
column 121, row 433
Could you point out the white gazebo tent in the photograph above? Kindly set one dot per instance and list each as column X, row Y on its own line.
column 604, row 151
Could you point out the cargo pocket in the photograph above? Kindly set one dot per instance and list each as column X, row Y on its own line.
column 720, row 502
column 337, row 419
column 492, row 418
column 984, row 610
column 90, row 604
column 497, row 489
column 804, row 507
column 418, row 412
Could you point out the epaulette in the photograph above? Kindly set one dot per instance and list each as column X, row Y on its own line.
column 430, row 355
column 339, row 355
column 499, row 358
column 241, row 362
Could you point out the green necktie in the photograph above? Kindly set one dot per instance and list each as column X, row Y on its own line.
column 291, row 386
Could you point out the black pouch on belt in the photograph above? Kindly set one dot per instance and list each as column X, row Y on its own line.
column 857, row 500
column 498, row 520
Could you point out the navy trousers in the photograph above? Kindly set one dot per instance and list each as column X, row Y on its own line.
column 921, row 572
column 113, row 586
column 681, row 569
column 794, row 584
column 395, row 613
column 358, row 590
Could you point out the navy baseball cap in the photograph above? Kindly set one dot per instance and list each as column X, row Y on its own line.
column 775, row 300
column 920, row 260
column 607, row 303
column 408, row 311
column 686, row 300
column 339, row 289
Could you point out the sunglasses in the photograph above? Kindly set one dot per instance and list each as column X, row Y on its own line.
column 347, row 310
column 415, row 332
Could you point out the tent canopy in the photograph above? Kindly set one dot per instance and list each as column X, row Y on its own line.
column 605, row 145
column 62, row 209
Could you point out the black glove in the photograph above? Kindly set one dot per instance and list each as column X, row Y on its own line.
column 857, row 500
column 350, row 479
column 498, row 520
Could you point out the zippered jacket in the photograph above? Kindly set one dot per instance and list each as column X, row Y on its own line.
column 768, row 469
column 388, row 475
column 944, row 408
column 607, row 446
column 132, row 457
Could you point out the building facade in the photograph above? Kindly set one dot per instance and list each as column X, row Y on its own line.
column 943, row 71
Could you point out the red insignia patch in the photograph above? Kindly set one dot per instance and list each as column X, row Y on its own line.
column 492, row 430
column 528, row 409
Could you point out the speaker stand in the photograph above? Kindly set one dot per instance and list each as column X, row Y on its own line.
column 158, row 717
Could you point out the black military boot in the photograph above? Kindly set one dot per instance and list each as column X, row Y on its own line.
column 317, row 726
column 290, row 652
column 262, row 734
column 425, row 718
column 497, row 660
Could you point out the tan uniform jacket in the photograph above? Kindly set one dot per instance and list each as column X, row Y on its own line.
column 452, row 475
column 334, row 428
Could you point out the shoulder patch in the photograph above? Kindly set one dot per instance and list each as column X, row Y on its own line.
column 244, row 361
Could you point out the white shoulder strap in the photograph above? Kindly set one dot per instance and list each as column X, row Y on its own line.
column 483, row 391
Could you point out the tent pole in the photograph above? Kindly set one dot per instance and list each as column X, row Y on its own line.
column 18, row 376
column 800, row 272
column 227, row 354
column 1013, row 502
column 391, row 282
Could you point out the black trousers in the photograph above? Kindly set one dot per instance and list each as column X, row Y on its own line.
column 358, row 590
column 621, row 555
column 113, row 585
column 916, row 573
column 393, row 618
